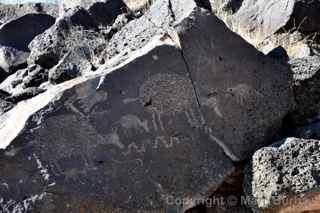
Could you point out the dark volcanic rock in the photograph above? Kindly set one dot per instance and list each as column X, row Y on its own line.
column 3, row 75
column 279, row 53
column 285, row 177
column 310, row 131
column 156, row 22
column 163, row 127
column 68, row 68
column 48, row 48
column 306, row 87
column 15, row 33
column 102, row 11
column 133, row 142
column 13, row 11
column 106, row 12
column 139, row 32
column 243, row 95
column 12, row 59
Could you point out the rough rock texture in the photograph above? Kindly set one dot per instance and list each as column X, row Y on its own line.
column 158, row 20
column 48, row 48
column 164, row 116
column 35, row 77
column 131, row 141
column 5, row 105
column 306, row 88
column 12, row 35
column 139, row 32
column 13, row 80
column 103, row 11
column 68, row 68
column 258, row 19
column 241, row 92
column 285, row 178
column 9, row 11
column 12, row 59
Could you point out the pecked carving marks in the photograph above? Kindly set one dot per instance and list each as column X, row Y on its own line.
column 244, row 94
column 136, row 139
column 133, row 122
column 167, row 93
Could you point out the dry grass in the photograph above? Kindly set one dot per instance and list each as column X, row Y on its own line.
column 291, row 39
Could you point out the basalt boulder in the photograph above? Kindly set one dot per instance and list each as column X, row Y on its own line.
column 285, row 177
column 103, row 11
column 165, row 124
column 243, row 95
column 158, row 20
column 12, row 35
column 131, row 142
column 69, row 67
column 48, row 48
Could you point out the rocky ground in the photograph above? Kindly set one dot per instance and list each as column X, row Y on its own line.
column 170, row 106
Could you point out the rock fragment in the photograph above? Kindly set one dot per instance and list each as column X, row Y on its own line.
column 285, row 177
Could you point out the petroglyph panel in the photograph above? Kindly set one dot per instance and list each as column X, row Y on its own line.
column 243, row 94
column 133, row 141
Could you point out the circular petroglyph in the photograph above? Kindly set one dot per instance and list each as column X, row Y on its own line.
column 167, row 93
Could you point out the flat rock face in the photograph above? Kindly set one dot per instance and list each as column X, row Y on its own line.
column 133, row 142
column 12, row 35
column 285, row 177
column 243, row 95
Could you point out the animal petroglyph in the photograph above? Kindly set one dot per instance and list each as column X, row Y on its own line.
column 167, row 93
column 246, row 95
column 113, row 139
column 157, row 121
column 133, row 122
